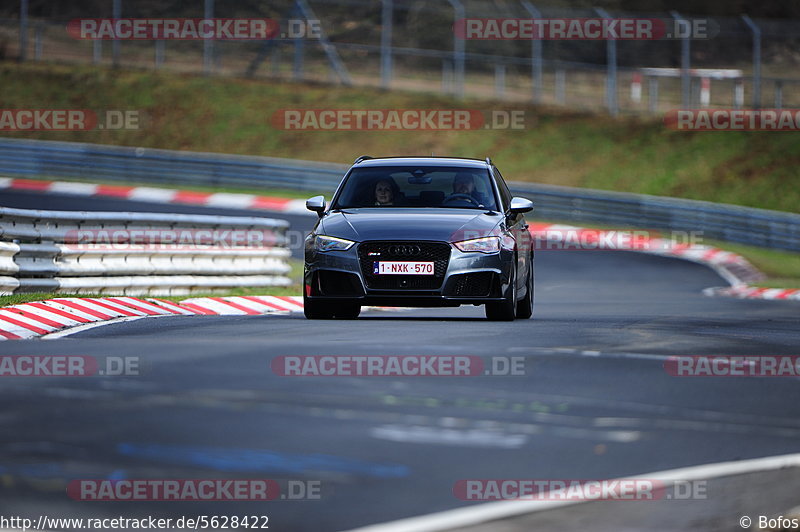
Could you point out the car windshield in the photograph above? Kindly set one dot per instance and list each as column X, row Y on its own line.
column 417, row 186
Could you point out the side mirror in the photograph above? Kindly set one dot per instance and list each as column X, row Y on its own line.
column 316, row 204
column 520, row 205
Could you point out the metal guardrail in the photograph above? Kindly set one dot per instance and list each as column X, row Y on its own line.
column 146, row 165
column 138, row 253
column 744, row 225
column 759, row 227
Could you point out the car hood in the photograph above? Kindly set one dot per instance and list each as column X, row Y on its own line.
column 448, row 225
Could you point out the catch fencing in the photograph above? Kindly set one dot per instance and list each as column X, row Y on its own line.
column 412, row 45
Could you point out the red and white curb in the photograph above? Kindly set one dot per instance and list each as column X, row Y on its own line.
column 754, row 292
column 42, row 318
column 735, row 269
column 159, row 195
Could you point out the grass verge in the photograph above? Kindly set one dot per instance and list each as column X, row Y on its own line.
column 555, row 146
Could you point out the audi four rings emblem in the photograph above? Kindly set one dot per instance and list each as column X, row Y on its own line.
column 405, row 250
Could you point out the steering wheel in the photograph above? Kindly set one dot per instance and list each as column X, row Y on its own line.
column 461, row 197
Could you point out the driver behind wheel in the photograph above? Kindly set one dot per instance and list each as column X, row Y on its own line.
column 464, row 183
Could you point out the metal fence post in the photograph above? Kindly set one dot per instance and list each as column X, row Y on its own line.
column 23, row 29
column 208, row 44
column 116, row 13
column 536, row 55
column 97, row 51
column 458, row 49
column 778, row 94
column 386, row 43
column 756, row 60
column 685, row 63
column 611, row 66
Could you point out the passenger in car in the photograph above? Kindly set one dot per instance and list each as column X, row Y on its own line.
column 387, row 193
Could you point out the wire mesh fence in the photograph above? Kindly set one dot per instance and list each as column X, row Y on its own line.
column 414, row 45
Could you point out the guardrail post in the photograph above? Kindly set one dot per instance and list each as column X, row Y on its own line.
column 208, row 44
column 738, row 93
column 685, row 63
column 386, row 43
column 459, row 55
column 447, row 76
column 778, row 94
column 275, row 61
column 561, row 82
column 116, row 13
column 37, row 42
column 611, row 66
column 499, row 80
column 23, row 29
column 705, row 92
column 652, row 94
column 297, row 63
column 536, row 56
column 159, row 53
column 756, row 60
column 97, row 51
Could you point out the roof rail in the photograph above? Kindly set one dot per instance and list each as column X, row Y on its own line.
column 362, row 158
column 489, row 161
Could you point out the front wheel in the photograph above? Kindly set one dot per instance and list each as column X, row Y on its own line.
column 504, row 310
column 317, row 310
column 525, row 305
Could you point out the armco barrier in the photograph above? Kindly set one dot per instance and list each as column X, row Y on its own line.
column 138, row 253
column 23, row 158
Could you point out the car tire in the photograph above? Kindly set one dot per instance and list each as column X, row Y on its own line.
column 317, row 310
column 525, row 305
column 504, row 310
column 347, row 311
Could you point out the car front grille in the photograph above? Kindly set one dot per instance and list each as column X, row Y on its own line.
column 436, row 252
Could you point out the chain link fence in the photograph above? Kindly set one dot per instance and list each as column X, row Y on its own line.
column 412, row 45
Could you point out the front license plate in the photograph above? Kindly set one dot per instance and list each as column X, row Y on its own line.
column 402, row 268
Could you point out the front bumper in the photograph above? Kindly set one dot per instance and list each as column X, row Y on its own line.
column 468, row 278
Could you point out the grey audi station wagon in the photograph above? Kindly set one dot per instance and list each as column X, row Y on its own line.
column 419, row 232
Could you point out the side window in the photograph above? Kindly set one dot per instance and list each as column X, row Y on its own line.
column 505, row 194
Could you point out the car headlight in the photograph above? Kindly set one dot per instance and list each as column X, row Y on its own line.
column 331, row 243
column 489, row 244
